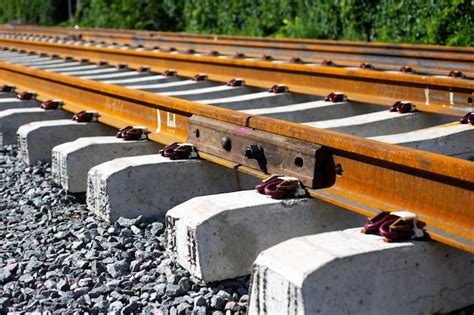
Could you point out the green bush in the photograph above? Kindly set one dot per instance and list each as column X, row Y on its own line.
column 44, row 12
column 132, row 14
column 444, row 22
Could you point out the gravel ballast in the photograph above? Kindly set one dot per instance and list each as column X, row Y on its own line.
column 57, row 257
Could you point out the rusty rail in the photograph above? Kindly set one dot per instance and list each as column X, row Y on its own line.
column 431, row 94
column 387, row 56
column 376, row 176
column 117, row 33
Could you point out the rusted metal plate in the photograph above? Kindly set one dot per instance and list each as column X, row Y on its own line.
column 263, row 151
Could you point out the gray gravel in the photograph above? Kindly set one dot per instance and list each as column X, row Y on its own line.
column 57, row 257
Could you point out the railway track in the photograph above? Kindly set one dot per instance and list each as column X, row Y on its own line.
column 422, row 59
column 330, row 127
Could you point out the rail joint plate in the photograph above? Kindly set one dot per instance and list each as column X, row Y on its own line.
column 261, row 150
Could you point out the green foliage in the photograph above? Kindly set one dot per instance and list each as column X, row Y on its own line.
column 441, row 22
column 444, row 22
column 133, row 14
column 44, row 12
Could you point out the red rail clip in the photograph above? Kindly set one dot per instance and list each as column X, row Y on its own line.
column 7, row 88
column 133, row 133
column 468, row 119
column 395, row 226
column 51, row 104
column 169, row 73
column 328, row 63
column 296, row 60
column 144, row 69
column 267, row 57
column 366, row 65
column 402, row 107
column 26, row 96
column 179, row 151
column 200, row 77
column 406, row 69
column 278, row 88
column 456, row 74
column 84, row 116
column 336, row 97
column 122, row 66
column 213, row 53
column 281, row 187
column 236, row 82
column 239, row 55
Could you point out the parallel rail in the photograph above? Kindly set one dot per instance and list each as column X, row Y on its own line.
column 431, row 94
column 423, row 58
column 377, row 176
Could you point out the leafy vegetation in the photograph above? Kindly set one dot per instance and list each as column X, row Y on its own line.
column 447, row 22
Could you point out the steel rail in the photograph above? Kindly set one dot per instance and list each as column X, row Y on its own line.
column 376, row 176
column 442, row 95
column 54, row 31
column 349, row 55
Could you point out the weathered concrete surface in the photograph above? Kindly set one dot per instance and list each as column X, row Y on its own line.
column 150, row 185
column 218, row 237
column 72, row 160
column 12, row 119
column 13, row 102
column 7, row 95
column 38, row 138
column 9, row 100
column 347, row 272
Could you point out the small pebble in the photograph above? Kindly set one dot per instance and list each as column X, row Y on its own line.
column 57, row 257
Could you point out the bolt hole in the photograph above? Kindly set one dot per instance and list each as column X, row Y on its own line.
column 339, row 170
column 197, row 133
column 299, row 161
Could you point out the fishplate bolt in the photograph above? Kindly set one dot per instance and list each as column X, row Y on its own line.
column 256, row 152
column 226, row 143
